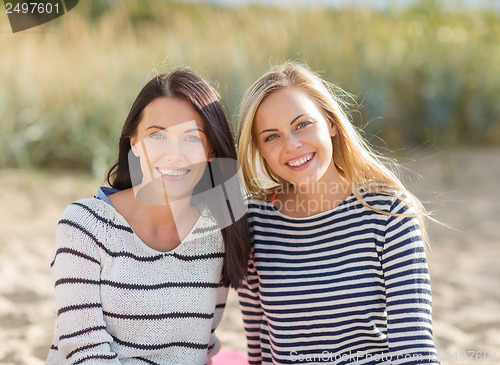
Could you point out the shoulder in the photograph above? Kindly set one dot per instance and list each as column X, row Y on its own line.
column 91, row 223
column 85, row 207
column 258, row 206
column 83, row 226
column 402, row 221
column 389, row 203
column 89, row 212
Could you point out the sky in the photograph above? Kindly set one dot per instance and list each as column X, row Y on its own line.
column 377, row 4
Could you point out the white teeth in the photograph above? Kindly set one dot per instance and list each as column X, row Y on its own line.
column 301, row 161
column 173, row 172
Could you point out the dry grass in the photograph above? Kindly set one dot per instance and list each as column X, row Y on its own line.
column 423, row 75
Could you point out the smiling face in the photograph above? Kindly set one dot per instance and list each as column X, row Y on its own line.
column 172, row 145
column 294, row 137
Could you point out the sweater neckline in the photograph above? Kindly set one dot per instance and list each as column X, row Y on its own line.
column 189, row 237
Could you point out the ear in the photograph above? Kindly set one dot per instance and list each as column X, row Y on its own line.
column 133, row 146
column 211, row 156
column 333, row 129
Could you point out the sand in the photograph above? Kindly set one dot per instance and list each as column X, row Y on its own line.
column 460, row 185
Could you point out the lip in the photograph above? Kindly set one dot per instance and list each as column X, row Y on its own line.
column 309, row 155
column 173, row 173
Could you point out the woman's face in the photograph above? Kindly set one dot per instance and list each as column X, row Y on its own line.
column 172, row 145
column 294, row 137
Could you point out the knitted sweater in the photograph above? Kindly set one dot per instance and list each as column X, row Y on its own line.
column 121, row 302
column 349, row 285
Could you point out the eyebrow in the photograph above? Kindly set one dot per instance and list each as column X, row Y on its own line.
column 194, row 129
column 186, row 131
column 267, row 130
column 297, row 117
column 293, row 121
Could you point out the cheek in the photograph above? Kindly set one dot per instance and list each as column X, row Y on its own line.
column 326, row 141
column 272, row 158
column 149, row 150
column 196, row 153
column 327, row 150
column 268, row 152
column 321, row 138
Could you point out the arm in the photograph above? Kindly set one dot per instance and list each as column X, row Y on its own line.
column 408, row 291
column 251, row 310
column 76, row 274
column 220, row 305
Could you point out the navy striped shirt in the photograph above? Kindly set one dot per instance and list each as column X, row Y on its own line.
column 349, row 285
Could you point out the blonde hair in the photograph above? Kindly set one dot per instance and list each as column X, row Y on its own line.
column 362, row 168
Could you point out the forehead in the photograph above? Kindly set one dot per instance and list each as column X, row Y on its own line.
column 167, row 112
column 284, row 105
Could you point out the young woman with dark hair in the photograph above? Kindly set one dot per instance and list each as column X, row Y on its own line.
column 142, row 270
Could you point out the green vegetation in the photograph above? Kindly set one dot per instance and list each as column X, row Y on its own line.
column 423, row 75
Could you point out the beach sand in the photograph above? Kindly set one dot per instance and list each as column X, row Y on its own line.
column 464, row 262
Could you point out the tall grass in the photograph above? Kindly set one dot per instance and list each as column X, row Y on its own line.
column 423, row 75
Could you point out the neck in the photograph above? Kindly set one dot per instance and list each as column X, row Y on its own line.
column 160, row 224
column 165, row 226
column 161, row 210
column 173, row 217
column 163, row 213
column 313, row 197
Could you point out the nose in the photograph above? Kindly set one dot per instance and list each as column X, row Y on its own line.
column 292, row 143
column 172, row 151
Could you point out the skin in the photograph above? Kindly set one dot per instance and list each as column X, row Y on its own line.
column 173, row 149
column 294, row 136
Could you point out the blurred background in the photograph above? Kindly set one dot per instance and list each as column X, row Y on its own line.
column 425, row 74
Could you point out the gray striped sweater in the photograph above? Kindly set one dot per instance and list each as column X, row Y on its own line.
column 347, row 286
column 121, row 302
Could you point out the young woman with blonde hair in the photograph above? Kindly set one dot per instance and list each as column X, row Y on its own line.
column 338, row 272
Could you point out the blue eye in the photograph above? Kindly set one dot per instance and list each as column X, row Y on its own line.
column 270, row 137
column 302, row 125
column 157, row 136
column 193, row 139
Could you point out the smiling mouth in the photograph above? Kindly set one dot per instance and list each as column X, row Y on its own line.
column 301, row 161
column 174, row 173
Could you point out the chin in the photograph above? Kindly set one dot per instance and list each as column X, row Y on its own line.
column 305, row 181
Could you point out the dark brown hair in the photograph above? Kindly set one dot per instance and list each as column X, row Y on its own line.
column 187, row 85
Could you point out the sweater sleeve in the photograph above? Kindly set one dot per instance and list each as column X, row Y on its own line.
column 76, row 267
column 408, row 291
column 214, row 343
column 249, row 298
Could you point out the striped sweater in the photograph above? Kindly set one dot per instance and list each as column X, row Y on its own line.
column 349, row 285
column 121, row 302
